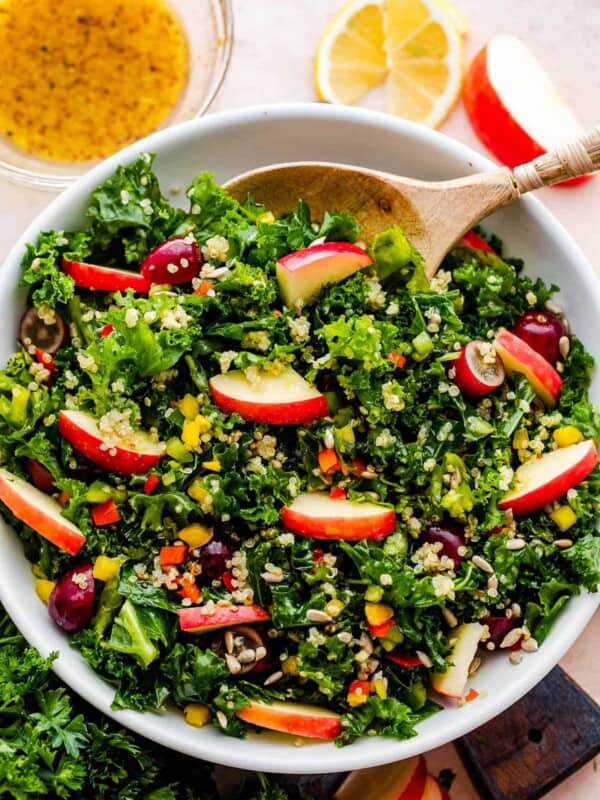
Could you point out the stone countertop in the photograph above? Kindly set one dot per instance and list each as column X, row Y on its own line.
column 272, row 62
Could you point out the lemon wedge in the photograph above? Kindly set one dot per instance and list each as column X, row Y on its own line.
column 415, row 46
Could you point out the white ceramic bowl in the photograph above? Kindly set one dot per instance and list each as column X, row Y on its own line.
column 228, row 144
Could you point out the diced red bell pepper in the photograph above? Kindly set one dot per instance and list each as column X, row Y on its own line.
column 397, row 359
column 171, row 555
column 152, row 481
column 46, row 360
column 190, row 590
column 106, row 330
column 359, row 687
column 406, row 660
column 358, row 467
column 105, row 513
column 381, row 631
column 474, row 240
column 227, row 579
column 204, row 288
column 337, row 493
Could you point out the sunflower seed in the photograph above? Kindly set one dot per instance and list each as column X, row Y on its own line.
column 366, row 643
column 229, row 641
column 314, row 615
column 276, row 676
column 492, row 582
column 484, row 565
column 564, row 345
column 529, row 645
column 512, row 637
column 222, row 719
column 515, row 544
column 328, row 439
column 563, row 543
column 515, row 658
column 261, row 652
column 475, row 664
column 449, row 617
column 553, row 307
column 247, row 656
column 269, row 577
column 424, row 659
column 233, row 665
column 516, row 610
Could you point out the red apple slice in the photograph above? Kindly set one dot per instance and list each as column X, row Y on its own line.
column 284, row 399
column 518, row 356
column 404, row 780
column 319, row 516
column 302, row 274
column 40, row 512
column 478, row 369
column 196, row 619
column 174, row 261
column 475, row 241
column 433, row 791
column 513, row 106
column 466, row 639
column 135, row 453
column 105, row 279
column 299, row 720
column 544, row 480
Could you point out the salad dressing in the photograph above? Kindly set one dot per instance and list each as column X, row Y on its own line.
column 82, row 78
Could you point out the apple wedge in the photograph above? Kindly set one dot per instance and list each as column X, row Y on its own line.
column 433, row 791
column 105, row 279
column 404, row 780
column 466, row 639
column 514, row 108
column 302, row 274
column 518, row 356
column 540, row 482
column 196, row 619
column 311, row 722
column 129, row 455
column 41, row 512
column 319, row 516
column 283, row 399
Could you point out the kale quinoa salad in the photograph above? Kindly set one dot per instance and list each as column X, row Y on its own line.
column 277, row 476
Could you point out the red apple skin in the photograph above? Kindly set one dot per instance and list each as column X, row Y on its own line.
column 301, row 412
column 104, row 279
column 492, row 122
column 39, row 512
column 476, row 242
column 123, row 462
column 192, row 620
column 518, row 356
column 294, row 719
column 404, row 780
column 381, row 523
column 534, row 500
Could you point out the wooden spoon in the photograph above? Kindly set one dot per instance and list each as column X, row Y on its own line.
column 433, row 215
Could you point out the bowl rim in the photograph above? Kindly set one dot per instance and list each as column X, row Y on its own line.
column 320, row 758
column 55, row 182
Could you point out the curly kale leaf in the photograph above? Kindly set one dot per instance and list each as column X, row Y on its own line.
column 193, row 673
column 42, row 265
column 583, row 559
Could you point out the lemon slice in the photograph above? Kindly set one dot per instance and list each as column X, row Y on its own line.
column 415, row 44
column 350, row 57
column 424, row 53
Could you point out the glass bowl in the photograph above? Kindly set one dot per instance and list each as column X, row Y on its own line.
column 209, row 28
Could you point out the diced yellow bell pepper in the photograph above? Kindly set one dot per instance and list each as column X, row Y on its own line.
column 197, row 491
column 195, row 535
column 213, row 466
column 380, row 687
column 44, row 589
column 290, row 665
column 564, row 517
column 567, row 435
column 356, row 699
column 196, row 714
column 189, row 406
column 268, row 218
column 106, row 568
column 378, row 613
column 334, row 608
column 520, row 439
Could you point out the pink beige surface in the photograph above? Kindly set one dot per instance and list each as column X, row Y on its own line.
column 272, row 62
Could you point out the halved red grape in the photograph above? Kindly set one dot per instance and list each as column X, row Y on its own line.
column 542, row 331
column 48, row 337
column 71, row 604
column 498, row 627
column 478, row 370
column 451, row 540
column 213, row 557
column 244, row 639
column 40, row 476
column 177, row 260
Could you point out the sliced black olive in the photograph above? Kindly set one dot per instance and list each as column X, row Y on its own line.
column 49, row 337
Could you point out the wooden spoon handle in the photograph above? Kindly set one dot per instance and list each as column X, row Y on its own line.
column 570, row 160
